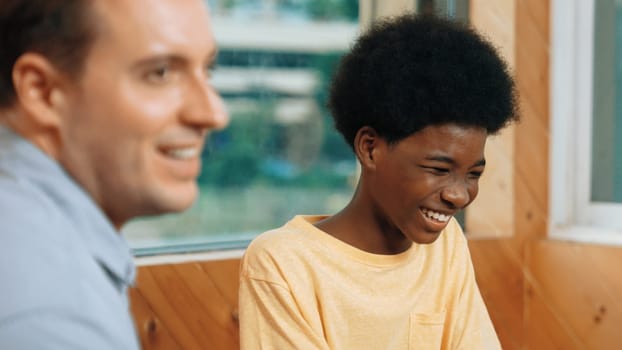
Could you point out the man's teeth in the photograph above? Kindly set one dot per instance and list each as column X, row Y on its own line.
column 183, row 153
column 435, row 215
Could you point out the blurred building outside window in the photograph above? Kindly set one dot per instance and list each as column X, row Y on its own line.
column 280, row 155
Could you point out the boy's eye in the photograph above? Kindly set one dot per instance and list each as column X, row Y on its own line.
column 475, row 174
column 437, row 170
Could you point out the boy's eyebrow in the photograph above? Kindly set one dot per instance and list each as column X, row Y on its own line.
column 448, row 160
column 480, row 162
column 442, row 159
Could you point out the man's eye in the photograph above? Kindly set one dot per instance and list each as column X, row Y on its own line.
column 158, row 74
column 209, row 70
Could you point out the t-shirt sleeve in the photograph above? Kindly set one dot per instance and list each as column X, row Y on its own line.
column 270, row 315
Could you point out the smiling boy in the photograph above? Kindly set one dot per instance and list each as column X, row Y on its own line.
column 104, row 109
column 416, row 99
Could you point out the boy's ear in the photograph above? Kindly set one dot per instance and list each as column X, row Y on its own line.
column 366, row 144
column 40, row 91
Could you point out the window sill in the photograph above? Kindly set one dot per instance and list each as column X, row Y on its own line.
column 587, row 234
column 179, row 258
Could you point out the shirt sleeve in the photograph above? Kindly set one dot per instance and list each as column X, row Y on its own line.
column 270, row 318
column 52, row 330
column 470, row 324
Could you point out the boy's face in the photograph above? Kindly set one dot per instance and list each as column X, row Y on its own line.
column 137, row 118
column 420, row 182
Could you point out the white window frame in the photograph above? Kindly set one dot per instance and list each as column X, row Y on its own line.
column 573, row 216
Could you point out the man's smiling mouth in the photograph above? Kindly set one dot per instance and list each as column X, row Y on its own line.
column 183, row 153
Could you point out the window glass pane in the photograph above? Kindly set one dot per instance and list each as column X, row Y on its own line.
column 607, row 117
column 280, row 155
column 457, row 9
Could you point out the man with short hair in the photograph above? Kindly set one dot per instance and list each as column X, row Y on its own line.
column 104, row 110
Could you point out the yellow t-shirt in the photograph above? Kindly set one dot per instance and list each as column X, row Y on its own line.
column 301, row 288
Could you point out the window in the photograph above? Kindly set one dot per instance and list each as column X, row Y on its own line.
column 586, row 151
column 280, row 155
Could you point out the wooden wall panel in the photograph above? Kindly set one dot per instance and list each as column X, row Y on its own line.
column 223, row 275
column 547, row 332
column 532, row 133
column 492, row 213
column 499, row 275
column 501, row 260
column 153, row 335
column 491, row 218
column 575, row 294
column 530, row 219
column 188, row 305
column 495, row 18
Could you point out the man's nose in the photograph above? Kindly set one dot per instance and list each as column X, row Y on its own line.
column 204, row 107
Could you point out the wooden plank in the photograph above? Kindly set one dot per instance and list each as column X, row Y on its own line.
column 169, row 298
column 492, row 214
column 532, row 61
column 225, row 276
column 531, row 171
column 499, row 277
column 495, row 18
column 532, row 163
column 537, row 11
column 211, row 307
column 532, row 133
column 581, row 286
column 543, row 329
column 151, row 332
column 530, row 218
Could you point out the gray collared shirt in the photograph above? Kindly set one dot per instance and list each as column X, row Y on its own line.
column 64, row 269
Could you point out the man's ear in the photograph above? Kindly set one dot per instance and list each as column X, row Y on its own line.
column 40, row 92
column 366, row 144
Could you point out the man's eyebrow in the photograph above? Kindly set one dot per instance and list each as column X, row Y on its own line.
column 210, row 59
column 157, row 59
column 448, row 160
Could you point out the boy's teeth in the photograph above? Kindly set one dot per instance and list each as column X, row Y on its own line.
column 435, row 215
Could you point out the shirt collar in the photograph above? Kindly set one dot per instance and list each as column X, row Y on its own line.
column 26, row 162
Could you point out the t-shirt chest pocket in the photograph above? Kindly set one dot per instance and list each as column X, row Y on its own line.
column 426, row 330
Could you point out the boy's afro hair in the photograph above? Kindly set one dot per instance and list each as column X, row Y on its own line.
column 412, row 71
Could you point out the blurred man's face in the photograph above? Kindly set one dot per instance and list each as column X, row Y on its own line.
column 138, row 116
